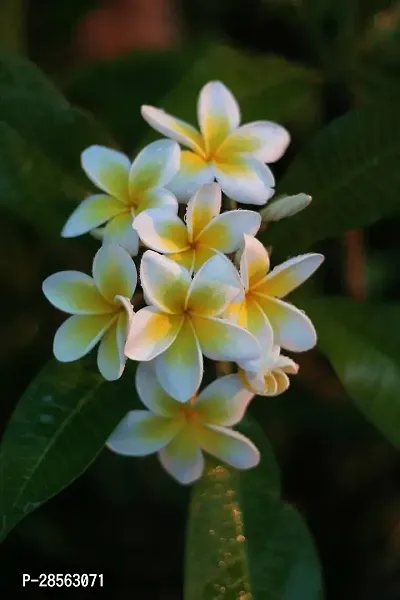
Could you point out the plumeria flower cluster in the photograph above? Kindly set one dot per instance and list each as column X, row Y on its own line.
column 207, row 287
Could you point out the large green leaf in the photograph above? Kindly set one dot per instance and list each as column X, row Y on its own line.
column 243, row 542
column 41, row 137
column 59, row 426
column 33, row 187
column 362, row 342
column 31, row 105
column 351, row 170
column 114, row 90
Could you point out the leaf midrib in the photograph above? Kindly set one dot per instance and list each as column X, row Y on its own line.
column 85, row 399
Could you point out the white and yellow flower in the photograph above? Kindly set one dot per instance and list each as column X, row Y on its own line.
column 182, row 324
column 205, row 232
column 101, row 308
column 263, row 307
column 269, row 376
column 126, row 190
column 234, row 156
column 181, row 432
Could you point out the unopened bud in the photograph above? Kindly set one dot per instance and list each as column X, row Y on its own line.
column 286, row 206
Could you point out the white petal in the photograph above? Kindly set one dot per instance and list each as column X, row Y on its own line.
column 293, row 330
column 151, row 333
column 151, row 392
column 254, row 262
column 287, row 365
column 162, row 231
column 216, row 285
column 75, row 293
column 289, row 275
column 78, row 335
column 194, row 172
column 114, row 272
column 124, row 324
column 182, row 458
column 108, row 169
column 224, row 401
column 91, row 213
column 141, row 433
column 264, row 140
column 154, row 166
column 245, row 180
column 172, row 127
column 230, row 446
column 109, row 359
column 225, row 232
column 218, row 114
column 157, row 198
column 119, row 230
column 221, row 340
column 202, row 208
column 164, row 282
column 180, row 368
column 255, row 322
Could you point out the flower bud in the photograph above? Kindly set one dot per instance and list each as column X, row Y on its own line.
column 285, row 206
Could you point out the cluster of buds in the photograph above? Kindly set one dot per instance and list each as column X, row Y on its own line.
column 206, row 281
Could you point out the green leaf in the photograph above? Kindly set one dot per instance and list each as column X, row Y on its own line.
column 60, row 425
column 243, row 542
column 377, row 87
column 351, row 171
column 30, row 104
column 41, row 138
column 114, row 90
column 362, row 342
column 33, row 187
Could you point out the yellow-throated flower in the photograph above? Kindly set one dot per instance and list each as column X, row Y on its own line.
column 234, row 156
column 263, row 312
column 269, row 375
column 183, row 322
column 181, row 432
column 126, row 190
column 205, row 232
column 101, row 309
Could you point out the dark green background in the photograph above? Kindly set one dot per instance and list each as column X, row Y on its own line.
column 126, row 518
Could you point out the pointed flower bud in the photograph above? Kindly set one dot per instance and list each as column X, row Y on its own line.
column 285, row 206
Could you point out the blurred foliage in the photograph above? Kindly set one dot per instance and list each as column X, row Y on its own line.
column 329, row 71
column 350, row 170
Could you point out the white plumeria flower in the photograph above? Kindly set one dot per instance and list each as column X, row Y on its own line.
column 180, row 432
column 232, row 155
column 268, row 376
column 205, row 233
column 183, row 322
column 101, row 309
column 126, row 190
column 262, row 311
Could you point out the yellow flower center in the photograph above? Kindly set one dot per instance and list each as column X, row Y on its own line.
column 189, row 411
